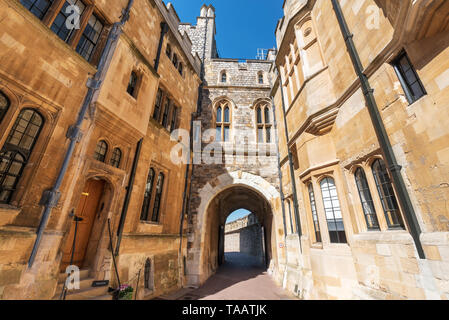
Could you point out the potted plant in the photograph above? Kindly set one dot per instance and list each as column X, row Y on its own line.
column 125, row 292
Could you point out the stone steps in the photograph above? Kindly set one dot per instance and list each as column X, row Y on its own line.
column 85, row 292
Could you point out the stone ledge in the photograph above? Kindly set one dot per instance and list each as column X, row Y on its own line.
column 8, row 214
column 435, row 238
column 393, row 237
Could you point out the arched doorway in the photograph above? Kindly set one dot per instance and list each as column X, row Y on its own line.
column 221, row 206
column 215, row 200
column 88, row 213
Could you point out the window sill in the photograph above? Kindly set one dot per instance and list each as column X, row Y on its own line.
column 8, row 214
column 150, row 223
column 317, row 246
column 387, row 236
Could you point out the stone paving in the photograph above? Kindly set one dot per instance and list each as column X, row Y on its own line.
column 240, row 278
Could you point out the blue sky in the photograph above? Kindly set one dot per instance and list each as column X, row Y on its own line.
column 240, row 213
column 242, row 25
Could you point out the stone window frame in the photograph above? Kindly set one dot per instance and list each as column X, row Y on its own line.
column 158, row 170
column 30, row 172
column 173, row 105
column 138, row 82
column 317, row 230
column 366, row 165
column 333, row 206
column 291, row 216
column 53, row 11
column 264, row 125
column 113, row 161
column 96, row 154
column 168, row 51
column 260, row 76
column 406, row 80
column 4, row 110
column 314, row 176
column 224, row 73
column 27, row 154
column 223, row 103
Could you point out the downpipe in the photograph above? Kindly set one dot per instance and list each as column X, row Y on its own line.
column 50, row 198
column 290, row 162
column 382, row 136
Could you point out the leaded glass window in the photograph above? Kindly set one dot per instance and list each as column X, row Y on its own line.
column 147, row 197
column 37, row 7
column 89, row 38
column 16, row 151
column 386, row 194
column 316, row 224
column 116, row 158
column 101, row 150
column 158, row 197
column 4, row 105
column 366, row 200
column 66, row 18
column 333, row 211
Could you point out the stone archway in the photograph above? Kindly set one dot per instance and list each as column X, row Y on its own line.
column 218, row 198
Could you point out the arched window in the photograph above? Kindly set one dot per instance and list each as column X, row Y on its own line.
column 259, row 116
column 260, row 77
column 168, row 51
column 116, row 158
column 226, row 114
column 224, row 77
column 316, row 224
column 333, row 211
column 132, row 85
column 147, row 197
column 386, row 194
column 219, row 114
column 267, row 115
column 17, row 149
column 148, row 275
column 223, row 122
column 4, row 105
column 158, row 197
column 101, row 151
column 366, row 199
column 263, row 124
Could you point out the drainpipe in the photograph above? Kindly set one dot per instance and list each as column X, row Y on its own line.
column 164, row 29
column 50, row 198
column 279, row 170
column 290, row 162
column 382, row 136
column 184, row 196
column 129, row 190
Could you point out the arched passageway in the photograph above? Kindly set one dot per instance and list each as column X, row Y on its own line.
column 213, row 203
column 258, row 243
column 221, row 276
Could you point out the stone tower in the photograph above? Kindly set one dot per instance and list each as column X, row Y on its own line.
column 238, row 153
column 203, row 34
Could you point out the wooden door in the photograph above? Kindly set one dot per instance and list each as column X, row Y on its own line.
column 87, row 210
